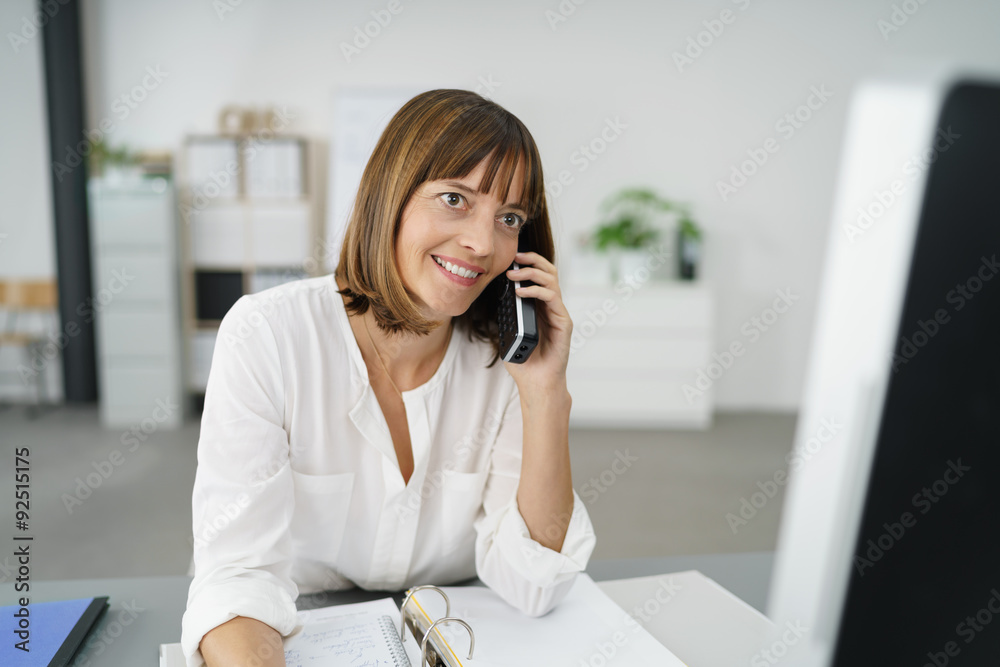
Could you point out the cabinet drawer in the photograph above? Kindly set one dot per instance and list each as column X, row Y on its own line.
column 636, row 402
column 144, row 220
column 139, row 385
column 217, row 238
column 279, row 235
column 138, row 276
column 646, row 307
column 644, row 354
column 137, row 332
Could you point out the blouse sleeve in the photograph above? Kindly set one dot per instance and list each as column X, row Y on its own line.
column 243, row 494
column 529, row 576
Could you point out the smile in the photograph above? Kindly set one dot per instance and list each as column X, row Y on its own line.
column 456, row 270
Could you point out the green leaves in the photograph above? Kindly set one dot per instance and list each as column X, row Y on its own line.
column 627, row 216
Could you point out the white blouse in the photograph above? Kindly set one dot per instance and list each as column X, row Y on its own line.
column 298, row 488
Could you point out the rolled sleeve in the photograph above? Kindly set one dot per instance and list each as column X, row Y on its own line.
column 528, row 575
column 243, row 495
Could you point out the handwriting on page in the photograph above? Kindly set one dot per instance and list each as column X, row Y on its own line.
column 358, row 642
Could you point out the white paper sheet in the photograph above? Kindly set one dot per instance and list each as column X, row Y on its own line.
column 586, row 628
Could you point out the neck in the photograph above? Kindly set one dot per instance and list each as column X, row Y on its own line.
column 407, row 357
column 410, row 359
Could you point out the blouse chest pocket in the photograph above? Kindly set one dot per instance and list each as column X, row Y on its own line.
column 462, row 496
column 322, row 506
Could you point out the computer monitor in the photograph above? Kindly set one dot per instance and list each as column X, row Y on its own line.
column 889, row 547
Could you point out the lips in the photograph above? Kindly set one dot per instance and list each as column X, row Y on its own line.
column 462, row 278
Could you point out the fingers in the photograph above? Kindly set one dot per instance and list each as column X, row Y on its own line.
column 537, row 276
column 534, row 259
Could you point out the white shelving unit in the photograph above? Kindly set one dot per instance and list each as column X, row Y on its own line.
column 135, row 306
column 633, row 351
column 248, row 218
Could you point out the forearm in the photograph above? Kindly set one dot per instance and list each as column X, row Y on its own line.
column 243, row 641
column 545, row 492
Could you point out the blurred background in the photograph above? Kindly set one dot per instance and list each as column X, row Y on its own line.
column 158, row 161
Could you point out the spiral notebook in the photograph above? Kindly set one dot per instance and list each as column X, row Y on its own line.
column 348, row 640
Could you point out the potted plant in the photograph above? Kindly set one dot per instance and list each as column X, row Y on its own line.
column 627, row 230
column 114, row 164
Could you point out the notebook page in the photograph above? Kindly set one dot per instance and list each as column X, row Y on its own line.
column 360, row 640
column 587, row 627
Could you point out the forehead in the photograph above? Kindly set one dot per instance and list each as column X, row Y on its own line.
column 478, row 181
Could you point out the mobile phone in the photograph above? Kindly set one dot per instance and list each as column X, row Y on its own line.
column 516, row 320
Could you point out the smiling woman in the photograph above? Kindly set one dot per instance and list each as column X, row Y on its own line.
column 352, row 440
column 466, row 154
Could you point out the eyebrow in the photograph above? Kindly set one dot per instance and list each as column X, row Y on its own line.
column 464, row 188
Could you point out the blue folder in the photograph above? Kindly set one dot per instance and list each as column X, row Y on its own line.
column 53, row 631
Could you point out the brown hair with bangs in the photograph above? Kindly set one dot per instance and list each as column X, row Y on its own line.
column 438, row 134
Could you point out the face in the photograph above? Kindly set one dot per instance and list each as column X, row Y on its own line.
column 447, row 222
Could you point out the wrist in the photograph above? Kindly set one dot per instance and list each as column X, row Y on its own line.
column 548, row 397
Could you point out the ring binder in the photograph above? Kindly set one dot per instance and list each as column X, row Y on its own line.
column 427, row 635
column 434, row 649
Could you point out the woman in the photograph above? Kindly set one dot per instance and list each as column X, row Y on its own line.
column 357, row 428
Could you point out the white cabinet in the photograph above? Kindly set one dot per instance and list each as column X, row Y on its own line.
column 135, row 303
column 633, row 350
column 249, row 221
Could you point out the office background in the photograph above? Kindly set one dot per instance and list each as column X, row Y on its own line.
column 693, row 90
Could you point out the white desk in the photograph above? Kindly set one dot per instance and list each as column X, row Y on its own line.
column 160, row 601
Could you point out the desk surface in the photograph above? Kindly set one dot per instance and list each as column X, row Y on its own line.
column 146, row 612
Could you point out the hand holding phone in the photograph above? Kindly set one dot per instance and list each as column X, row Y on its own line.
column 516, row 320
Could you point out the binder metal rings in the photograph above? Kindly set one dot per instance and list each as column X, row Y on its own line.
column 409, row 594
column 430, row 652
column 442, row 621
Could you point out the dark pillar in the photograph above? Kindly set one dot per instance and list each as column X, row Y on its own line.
column 64, row 93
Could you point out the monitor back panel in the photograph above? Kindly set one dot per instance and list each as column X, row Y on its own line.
column 925, row 583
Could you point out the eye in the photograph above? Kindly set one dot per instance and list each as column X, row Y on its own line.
column 512, row 220
column 451, row 199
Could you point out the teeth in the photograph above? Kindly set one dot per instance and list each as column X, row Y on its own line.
column 457, row 270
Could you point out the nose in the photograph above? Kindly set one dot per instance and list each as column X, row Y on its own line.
column 477, row 236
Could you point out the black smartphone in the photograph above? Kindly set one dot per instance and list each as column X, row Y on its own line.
column 516, row 319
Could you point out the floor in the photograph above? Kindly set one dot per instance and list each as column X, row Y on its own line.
column 649, row 493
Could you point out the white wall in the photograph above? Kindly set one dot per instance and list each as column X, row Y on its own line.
column 28, row 249
column 27, row 239
column 608, row 60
